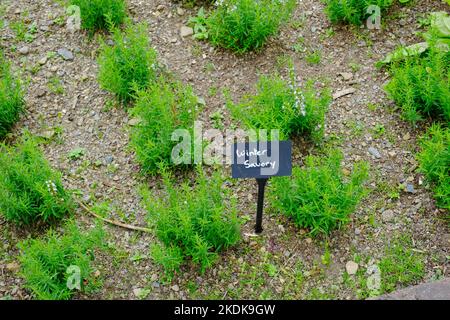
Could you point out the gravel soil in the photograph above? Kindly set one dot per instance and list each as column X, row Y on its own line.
column 284, row 262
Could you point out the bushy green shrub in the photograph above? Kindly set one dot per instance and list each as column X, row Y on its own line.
column 280, row 104
column 434, row 162
column 30, row 190
column 192, row 222
column 11, row 97
column 354, row 11
column 129, row 64
column 319, row 197
column 163, row 108
column 244, row 25
column 420, row 85
column 101, row 14
column 45, row 262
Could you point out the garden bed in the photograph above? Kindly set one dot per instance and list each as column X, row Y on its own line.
column 87, row 137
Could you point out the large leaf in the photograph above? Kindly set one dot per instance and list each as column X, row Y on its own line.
column 440, row 25
column 403, row 52
column 438, row 35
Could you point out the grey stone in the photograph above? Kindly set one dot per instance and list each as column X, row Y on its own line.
column 24, row 50
column 410, row 188
column 186, row 31
column 65, row 54
column 373, row 151
column 387, row 215
column 351, row 267
column 109, row 159
column 343, row 93
column 437, row 290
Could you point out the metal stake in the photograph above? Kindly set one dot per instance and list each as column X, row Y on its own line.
column 261, row 187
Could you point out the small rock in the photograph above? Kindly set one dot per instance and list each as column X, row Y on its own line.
column 357, row 231
column 86, row 198
column 176, row 288
column 24, row 50
column 141, row 293
column 65, row 54
column 109, row 159
column 406, row 136
column 343, row 93
column 180, row 11
column 201, row 101
column 47, row 134
column 134, row 121
column 186, row 31
column 410, row 188
column 42, row 61
column 387, row 215
column 351, row 267
column 346, row 75
column 160, row 7
column 40, row 93
column 155, row 284
column 373, row 151
column 308, row 240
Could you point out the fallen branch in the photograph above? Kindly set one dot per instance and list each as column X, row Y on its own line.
column 114, row 222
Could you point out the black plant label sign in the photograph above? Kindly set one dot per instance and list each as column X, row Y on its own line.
column 262, row 159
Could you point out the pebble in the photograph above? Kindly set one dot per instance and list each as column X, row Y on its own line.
column 24, row 50
column 65, row 54
column 180, row 11
column 343, row 93
column 186, row 31
column 410, row 188
column 109, row 159
column 373, row 151
column 346, row 76
column 387, row 215
column 176, row 288
column 351, row 267
column 42, row 61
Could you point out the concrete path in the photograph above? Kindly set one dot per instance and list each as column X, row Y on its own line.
column 438, row 290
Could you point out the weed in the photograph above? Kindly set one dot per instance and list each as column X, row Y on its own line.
column 11, row 97
column 401, row 265
column 282, row 105
column 434, row 162
column 29, row 189
column 46, row 264
column 55, row 86
column 101, row 14
column 245, row 25
column 129, row 65
column 76, row 153
column 199, row 25
column 317, row 196
column 192, row 222
column 314, row 57
column 163, row 108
